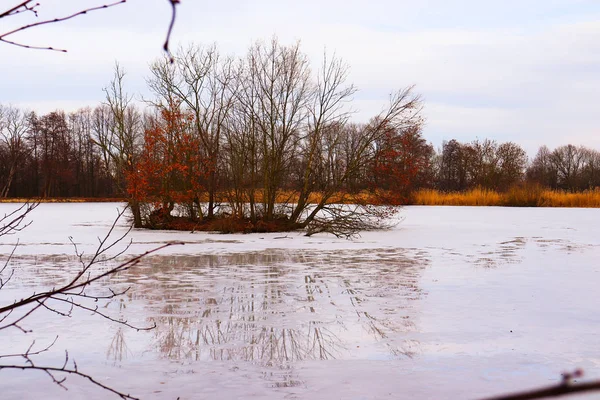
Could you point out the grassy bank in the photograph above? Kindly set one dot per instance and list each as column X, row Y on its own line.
column 516, row 197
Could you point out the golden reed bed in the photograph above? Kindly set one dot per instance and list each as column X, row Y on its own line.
column 516, row 197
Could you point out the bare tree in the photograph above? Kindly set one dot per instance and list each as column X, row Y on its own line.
column 13, row 129
column 356, row 149
column 483, row 163
column 52, row 150
column 512, row 161
column 542, row 170
column 86, row 157
column 118, row 133
column 301, row 142
column 274, row 96
column 242, row 156
column 327, row 113
column 568, row 161
column 590, row 178
column 452, row 169
column 201, row 83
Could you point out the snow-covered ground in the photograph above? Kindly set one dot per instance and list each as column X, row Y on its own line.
column 454, row 303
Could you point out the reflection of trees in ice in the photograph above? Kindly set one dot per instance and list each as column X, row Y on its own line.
column 381, row 327
column 279, row 308
column 243, row 323
column 118, row 350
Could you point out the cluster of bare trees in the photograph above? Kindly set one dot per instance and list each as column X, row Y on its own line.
column 257, row 128
column 566, row 167
column 263, row 126
column 54, row 155
column 487, row 164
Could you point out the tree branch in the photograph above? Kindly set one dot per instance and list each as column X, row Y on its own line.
column 50, row 371
column 565, row 388
column 25, row 7
column 174, row 4
column 72, row 294
column 19, row 8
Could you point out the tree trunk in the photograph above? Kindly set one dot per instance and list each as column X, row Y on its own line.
column 211, row 195
column 7, row 184
column 137, row 214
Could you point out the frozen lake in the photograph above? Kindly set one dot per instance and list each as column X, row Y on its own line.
column 455, row 302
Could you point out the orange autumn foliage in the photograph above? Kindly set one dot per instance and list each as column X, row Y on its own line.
column 400, row 164
column 171, row 168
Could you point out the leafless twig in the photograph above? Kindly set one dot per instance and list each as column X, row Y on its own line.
column 72, row 294
column 10, row 224
column 30, row 6
column 69, row 368
column 565, row 388
column 76, row 287
column 174, row 4
column 26, row 6
column 14, row 221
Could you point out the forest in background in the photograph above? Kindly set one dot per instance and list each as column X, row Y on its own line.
column 56, row 156
column 269, row 136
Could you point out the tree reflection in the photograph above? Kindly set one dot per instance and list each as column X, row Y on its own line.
column 246, row 323
column 277, row 309
column 118, row 350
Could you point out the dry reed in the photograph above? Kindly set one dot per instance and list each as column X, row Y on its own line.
column 516, row 197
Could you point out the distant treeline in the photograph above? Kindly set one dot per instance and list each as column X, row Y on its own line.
column 489, row 165
column 53, row 155
column 59, row 155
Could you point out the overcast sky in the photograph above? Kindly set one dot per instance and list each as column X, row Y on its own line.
column 527, row 71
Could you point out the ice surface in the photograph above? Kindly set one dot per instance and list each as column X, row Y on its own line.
column 455, row 302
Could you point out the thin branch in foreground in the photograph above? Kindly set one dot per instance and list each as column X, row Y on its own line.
column 4, row 281
column 51, row 372
column 30, row 352
column 174, row 4
column 565, row 388
column 24, row 7
column 71, row 294
column 76, row 284
column 12, row 222
column 19, row 8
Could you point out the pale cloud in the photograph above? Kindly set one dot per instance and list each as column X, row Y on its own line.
column 525, row 71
